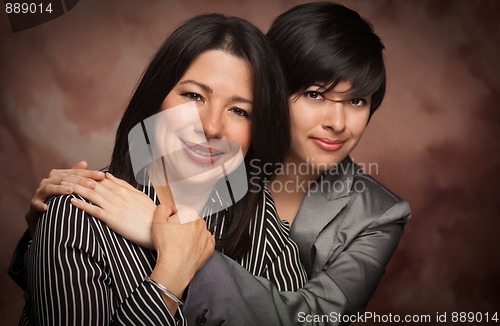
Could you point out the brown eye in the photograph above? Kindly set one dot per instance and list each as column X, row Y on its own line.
column 358, row 102
column 239, row 112
column 313, row 95
column 193, row 96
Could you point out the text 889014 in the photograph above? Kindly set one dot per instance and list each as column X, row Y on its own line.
column 27, row 8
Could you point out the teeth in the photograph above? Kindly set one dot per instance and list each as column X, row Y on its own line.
column 200, row 152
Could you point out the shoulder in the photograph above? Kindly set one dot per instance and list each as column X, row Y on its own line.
column 64, row 222
column 60, row 206
column 377, row 200
column 275, row 226
column 271, row 230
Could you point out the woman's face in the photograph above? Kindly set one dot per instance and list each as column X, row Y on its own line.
column 208, row 113
column 326, row 127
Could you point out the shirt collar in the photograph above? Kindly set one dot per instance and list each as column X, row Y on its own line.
column 338, row 181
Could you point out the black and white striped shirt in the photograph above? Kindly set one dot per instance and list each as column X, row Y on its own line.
column 80, row 272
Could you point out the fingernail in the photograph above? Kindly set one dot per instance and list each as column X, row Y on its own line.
column 64, row 183
column 100, row 174
column 74, row 201
column 68, row 189
column 90, row 184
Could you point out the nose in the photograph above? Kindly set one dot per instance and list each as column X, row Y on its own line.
column 212, row 121
column 335, row 118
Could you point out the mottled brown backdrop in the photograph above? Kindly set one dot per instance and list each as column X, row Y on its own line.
column 64, row 85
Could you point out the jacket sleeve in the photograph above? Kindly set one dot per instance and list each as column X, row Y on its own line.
column 343, row 287
column 16, row 267
column 68, row 280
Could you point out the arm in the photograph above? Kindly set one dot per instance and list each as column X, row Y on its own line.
column 16, row 267
column 47, row 188
column 68, row 279
column 343, row 286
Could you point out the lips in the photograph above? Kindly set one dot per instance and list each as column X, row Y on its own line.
column 200, row 153
column 328, row 144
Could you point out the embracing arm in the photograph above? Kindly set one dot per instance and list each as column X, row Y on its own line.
column 343, row 286
column 81, row 181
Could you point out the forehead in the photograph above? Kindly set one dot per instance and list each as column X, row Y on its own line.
column 220, row 68
column 342, row 88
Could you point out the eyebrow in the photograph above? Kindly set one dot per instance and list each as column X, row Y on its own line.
column 202, row 86
column 206, row 88
column 237, row 98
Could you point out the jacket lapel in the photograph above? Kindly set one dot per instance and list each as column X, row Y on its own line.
column 320, row 206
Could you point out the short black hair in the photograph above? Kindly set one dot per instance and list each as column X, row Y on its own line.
column 329, row 43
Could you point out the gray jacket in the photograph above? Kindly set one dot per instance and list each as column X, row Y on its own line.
column 347, row 230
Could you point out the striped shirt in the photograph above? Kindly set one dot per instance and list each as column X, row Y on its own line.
column 80, row 272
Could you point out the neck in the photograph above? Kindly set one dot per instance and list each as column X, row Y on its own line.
column 298, row 173
column 193, row 195
column 184, row 192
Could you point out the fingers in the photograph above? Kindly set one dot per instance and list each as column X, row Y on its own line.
column 39, row 206
column 75, row 179
column 121, row 182
column 45, row 191
column 89, row 174
column 59, row 183
column 94, row 195
column 81, row 165
column 93, row 210
column 104, row 189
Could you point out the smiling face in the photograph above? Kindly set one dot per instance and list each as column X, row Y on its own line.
column 326, row 127
column 208, row 113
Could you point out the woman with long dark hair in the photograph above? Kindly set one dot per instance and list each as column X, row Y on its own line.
column 79, row 271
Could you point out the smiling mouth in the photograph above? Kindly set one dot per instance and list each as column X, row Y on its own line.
column 329, row 144
column 200, row 153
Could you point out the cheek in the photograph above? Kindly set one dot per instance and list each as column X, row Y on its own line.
column 171, row 101
column 166, row 104
column 359, row 123
column 242, row 136
column 302, row 120
column 245, row 140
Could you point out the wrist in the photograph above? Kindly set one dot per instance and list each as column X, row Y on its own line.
column 164, row 291
column 174, row 279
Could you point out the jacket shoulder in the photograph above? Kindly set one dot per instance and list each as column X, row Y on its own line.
column 378, row 200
